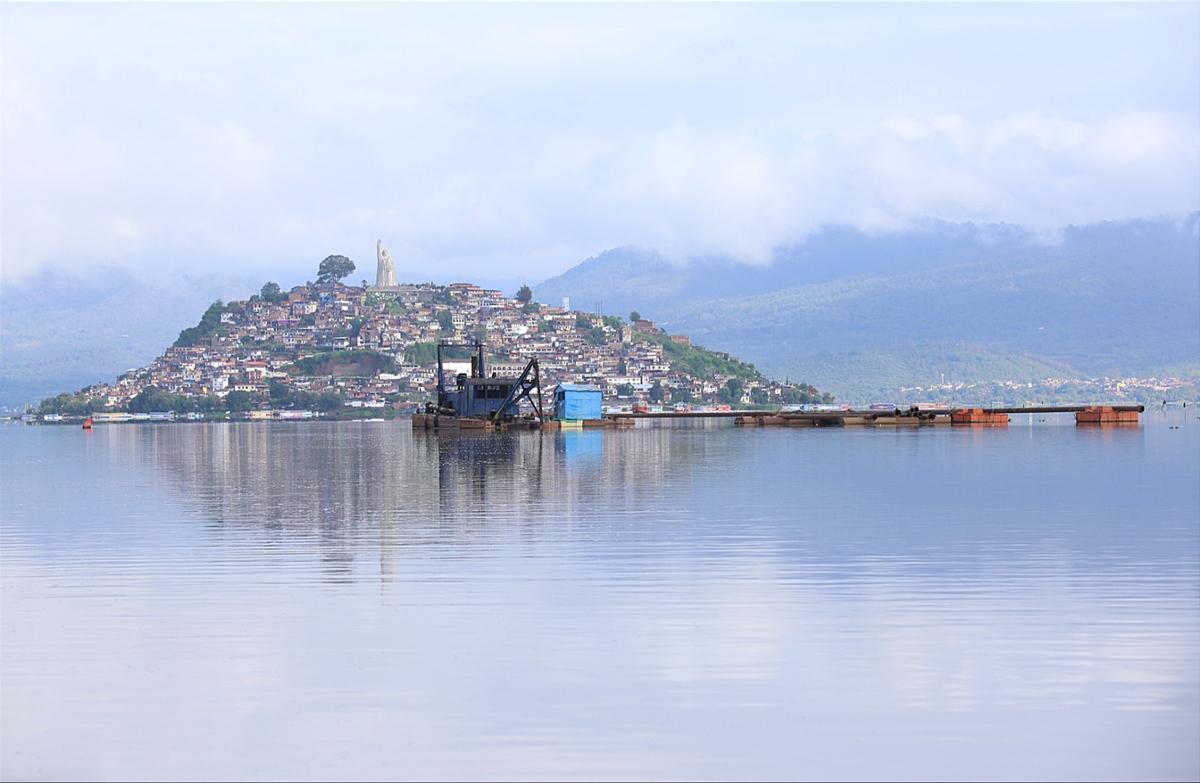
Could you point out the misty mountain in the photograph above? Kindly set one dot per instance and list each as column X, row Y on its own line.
column 61, row 332
column 852, row 312
column 862, row 313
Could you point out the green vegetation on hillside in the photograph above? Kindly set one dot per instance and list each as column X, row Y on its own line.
column 210, row 324
column 868, row 314
column 152, row 400
column 421, row 353
column 345, row 364
column 284, row 396
column 387, row 301
column 426, row 353
column 78, row 404
column 698, row 361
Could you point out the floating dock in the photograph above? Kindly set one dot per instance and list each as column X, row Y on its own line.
column 913, row 417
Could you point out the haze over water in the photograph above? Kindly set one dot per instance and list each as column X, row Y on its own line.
column 354, row 600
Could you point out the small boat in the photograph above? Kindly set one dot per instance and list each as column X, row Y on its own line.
column 87, row 423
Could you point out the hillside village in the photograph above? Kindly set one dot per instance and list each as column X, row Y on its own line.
column 330, row 346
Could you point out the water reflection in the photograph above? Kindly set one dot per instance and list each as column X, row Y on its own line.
column 344, row 483
column 366, row 601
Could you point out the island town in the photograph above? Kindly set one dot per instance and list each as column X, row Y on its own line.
column 327, row 348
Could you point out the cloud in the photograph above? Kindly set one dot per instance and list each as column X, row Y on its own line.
column 907, row 128
column 1048, row 133
column 529, row 137
column 1133, row 138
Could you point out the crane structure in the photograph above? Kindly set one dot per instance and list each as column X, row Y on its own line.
column 480, row 401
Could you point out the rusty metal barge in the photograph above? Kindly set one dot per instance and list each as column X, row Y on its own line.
column 915, row 416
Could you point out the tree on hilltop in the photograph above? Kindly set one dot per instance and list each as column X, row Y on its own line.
column 635, row 316
column 524, row 294
column 271, row 292
column 334, row 268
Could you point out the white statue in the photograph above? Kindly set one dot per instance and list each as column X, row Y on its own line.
column 385, row 270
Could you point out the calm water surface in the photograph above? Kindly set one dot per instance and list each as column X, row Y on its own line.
column 356, row 600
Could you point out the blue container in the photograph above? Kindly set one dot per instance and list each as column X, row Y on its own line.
column 576, row 401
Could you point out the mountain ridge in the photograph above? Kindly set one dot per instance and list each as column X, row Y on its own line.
column 1114, row 297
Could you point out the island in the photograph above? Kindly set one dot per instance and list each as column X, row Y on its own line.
column 327, row 349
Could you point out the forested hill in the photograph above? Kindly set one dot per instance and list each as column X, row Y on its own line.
column 860, row 313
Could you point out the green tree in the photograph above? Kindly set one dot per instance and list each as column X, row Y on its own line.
column 656, row 392
column 524, row 294
column 735, row 386
column 680, row 395
column 154, row 399
column 54, row 404
column 329, row 401
column 239, row 401
column 208, row 403
column 582, row 321
column 271, row 292
column 446, row 321
column 625, row 390
column 529, row 308
column 634, row 315
column 334, row 268
column 148, row 399
column 280, row 393
column 79, row 404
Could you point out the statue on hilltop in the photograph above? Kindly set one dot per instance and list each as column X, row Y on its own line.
column 385, row 270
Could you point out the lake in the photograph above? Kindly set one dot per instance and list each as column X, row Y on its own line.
column 356, row 600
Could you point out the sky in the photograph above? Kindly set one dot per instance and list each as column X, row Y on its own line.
column 514, row 141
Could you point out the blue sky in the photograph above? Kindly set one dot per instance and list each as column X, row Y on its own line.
column 475, row 138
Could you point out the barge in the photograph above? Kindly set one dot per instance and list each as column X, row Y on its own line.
column 482, row 402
